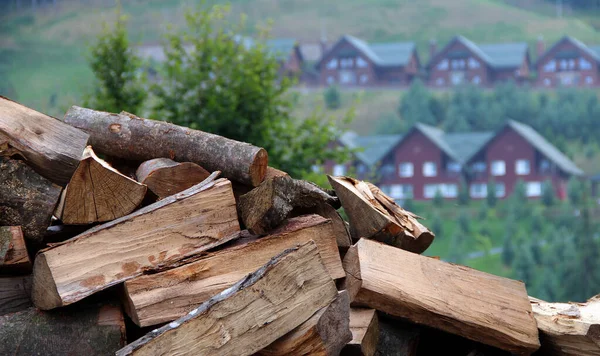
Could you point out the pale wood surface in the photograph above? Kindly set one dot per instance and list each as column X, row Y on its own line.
column 183, row 225
column 342, row 235
column 168, row 295
column 365, row 332
column 250, row 315
column 457, row 299
column 165, row 177
column 14, row 294
column 14, row 258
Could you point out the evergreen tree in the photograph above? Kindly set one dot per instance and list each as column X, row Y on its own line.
column 575, row 191
column 438, row 199
column 537, row 221
column 456, row 253
column 520, row 192
column 548, row 195
column 464, row 222
column 332, row 98
column 524, row 266
column 463, row 193
column 508, row 250
column 437, row 225
column 483, row 212
column 491, row 197
column 416, row 105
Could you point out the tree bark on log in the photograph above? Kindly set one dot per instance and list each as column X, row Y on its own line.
column 26, row 199
column 364, row 326
column 168, row 295
column 98, row 193
column 253, row 313
column 165, row 177
column 14, row 258
column 127, row 136
column 15, row 294
column 163, row 233
column 51, row 147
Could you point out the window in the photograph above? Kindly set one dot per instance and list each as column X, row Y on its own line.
column 457, row 78
column 534, row 189
column 440, row 82
column 479, row 167
column 361, row 63
column 563, row 64
column 589, row 80
column 330, row 80
column 584, row 64
column 364, row 78
column 571, row 64
column 476, row 80
column 450, row 190
column 478, row 190
column 458, row 64
column 547, row 82
column 498, row 168
column 443, row 65
column 332, row 64
column 339, row 170
column 400, row 191
column 453, row 167
column 346, row 62
column 347, row 77
column 429, row 169
column 473, row 63
column 550, row 66
column 522, row 167
column 545, row 166
column 446, row 190
column 500, row 190
column 406, row 169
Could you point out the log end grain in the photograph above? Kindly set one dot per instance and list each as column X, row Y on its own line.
column 258, row 168
column 44, row 293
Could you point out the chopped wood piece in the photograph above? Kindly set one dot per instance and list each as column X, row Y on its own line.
column 274, row 172
column 26, row 199
column 325, row 333
column 127, row 136
column 267, row 206
column 327, row 211
column 77, row 330
column 14, row 258
column 180, row 226
column 166, row 296
column 52, row 148
column 376, row 216
column 253, row 313
column 457, row 299
column 365, row 332
column 397, row 338
column 569, row 328
column 15, row 294
column 98, row 193
column 165, row 177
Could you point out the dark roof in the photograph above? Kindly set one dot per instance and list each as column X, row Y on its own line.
column 372, row 149
column 382, row 54
column 593, row 51
column 281, row 47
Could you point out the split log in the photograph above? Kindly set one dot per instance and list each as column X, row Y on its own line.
column 52, row 148
column 267, row 206
column 376, row 216
column 324, row 334
column 180, row 226
column 165, row 177
column 98, row 193
column 365, row 332
column 342, row 235
column 569, row 328
column 127, row 136
column 256, row 311
column 15, row 294
column 457, row 299
column 168, row 295
column 14, row 258
column 26, row 199
column 274, row 172
column 78, row 330
column 397, row 338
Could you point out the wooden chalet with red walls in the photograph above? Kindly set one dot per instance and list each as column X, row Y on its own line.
column 462, row 61
column 569, row 63
column 352, row 62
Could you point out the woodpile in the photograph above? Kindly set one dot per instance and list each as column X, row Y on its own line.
column 181, row 242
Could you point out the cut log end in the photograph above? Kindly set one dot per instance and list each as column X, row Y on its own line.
column 43, row 292
column 258, row 168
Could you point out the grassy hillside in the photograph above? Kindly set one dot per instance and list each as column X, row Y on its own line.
column 42, row 54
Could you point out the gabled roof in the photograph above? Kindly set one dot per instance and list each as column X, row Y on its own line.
column 593, row 51
column 281, row 47
column 311, row 52
column 372, row 149
column 382, row 54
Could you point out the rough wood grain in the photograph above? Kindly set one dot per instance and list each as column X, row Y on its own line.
column 15, row 294
column 183, row 225
column 569, row 328
column 14, row 258
column 98, row 193
column 26, row 199
column 250, row 315
column 127, row 136
column 365, row 332
column 165, row 177
column 374, row 215
column 51, row 147
column 342, row 235
column 166, row 296
column 476, row 305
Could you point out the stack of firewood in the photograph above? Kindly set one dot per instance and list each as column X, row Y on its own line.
column 132, row 236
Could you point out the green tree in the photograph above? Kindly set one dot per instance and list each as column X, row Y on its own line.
column 575, row 191
column 464, row 222
column 524, row 266
column 438, row 199
column 548, row 195
column 520, row 192
column 457, row 252
column 418, row 105
column 491, row 197
column 437, row 225
column 332, row 97
column 508, row 251
column 537, row 221
column 483, row 212
column 463, row 193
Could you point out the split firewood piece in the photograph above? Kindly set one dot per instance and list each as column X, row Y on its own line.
column 26, row 199
column 51, row 147
column 78, row 330
column 569, row 328
column 15, row 294
column 376, row 216
column 365, row 332
column 14, row 258
column 325, row 333
column 274, row 172
column 98, row 193
column 168, row 295
column 127, row 136
column 342, row 235
column 457, row 299
column 170, row 230
column 250, row 315
column 267, row 206
column 165, row 177
column 397, row 337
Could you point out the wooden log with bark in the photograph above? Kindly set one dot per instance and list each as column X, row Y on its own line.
column 250, row 315
column 457, row 299
column 365, row 332
column 324, row 334
column 168, row 231
column 376, row 216
column 98, row 193
column 129, row 137
column 168, row 295
column 52, row 148
column 165, row 177
column 15, row 294
column 14, row 258
column 568, row 328
column 267, row 206
column 26, row 199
